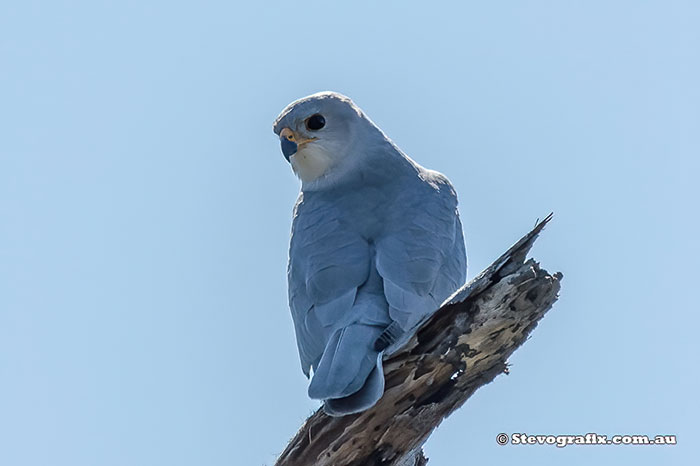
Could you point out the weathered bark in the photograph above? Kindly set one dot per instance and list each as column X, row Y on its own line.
column 462, row 347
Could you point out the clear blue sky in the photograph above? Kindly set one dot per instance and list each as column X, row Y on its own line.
column 145, row 210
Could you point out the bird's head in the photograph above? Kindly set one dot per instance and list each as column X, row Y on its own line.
column 319, row 133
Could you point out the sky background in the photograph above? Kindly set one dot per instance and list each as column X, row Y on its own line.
column 145, row 210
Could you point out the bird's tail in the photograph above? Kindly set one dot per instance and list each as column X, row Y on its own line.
column 349, row 376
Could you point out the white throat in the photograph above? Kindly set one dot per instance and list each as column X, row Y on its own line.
column 310, row 162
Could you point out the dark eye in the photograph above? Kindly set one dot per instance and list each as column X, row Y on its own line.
column 315, row 122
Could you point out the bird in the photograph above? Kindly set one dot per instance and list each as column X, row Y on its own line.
column 376, row 247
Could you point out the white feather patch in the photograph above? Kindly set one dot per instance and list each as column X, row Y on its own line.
column 310, row 162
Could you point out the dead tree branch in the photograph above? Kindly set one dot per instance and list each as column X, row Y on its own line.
column 462, row 347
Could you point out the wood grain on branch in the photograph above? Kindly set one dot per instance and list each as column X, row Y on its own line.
column 460, row 348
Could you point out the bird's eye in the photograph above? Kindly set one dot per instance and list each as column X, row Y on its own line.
column 315, row 122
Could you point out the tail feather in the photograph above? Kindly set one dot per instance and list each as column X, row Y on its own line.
column 347, row 361
column 361, row 400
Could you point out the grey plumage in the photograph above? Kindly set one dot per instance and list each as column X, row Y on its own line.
column 376, row 243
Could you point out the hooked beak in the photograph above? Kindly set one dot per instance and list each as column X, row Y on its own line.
column 291, row 142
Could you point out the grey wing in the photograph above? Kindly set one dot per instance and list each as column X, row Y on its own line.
column 422, row 259
column 327, row 264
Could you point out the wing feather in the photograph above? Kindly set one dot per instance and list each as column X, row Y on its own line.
column 421, row 259
column 327, row 265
